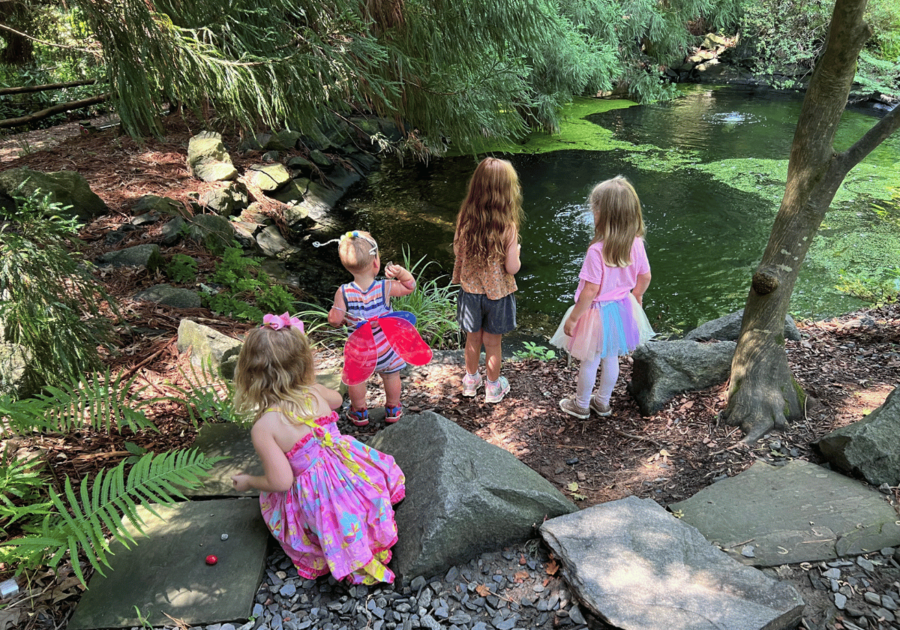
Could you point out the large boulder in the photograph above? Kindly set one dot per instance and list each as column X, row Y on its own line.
column 208, row 159
column 209, row 348
column 870, row 447
column 663, row 369
column 640, row 568
column 67, row 188
column 463, row 495
column 728, row 328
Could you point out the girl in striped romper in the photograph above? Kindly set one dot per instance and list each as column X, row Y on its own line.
column 363, row 299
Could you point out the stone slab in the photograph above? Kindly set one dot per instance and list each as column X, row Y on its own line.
column 232, row 441
column 166, row 572
column 799, row 512
column 640, row 568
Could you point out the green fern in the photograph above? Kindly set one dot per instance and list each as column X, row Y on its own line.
column 80, row 520
column 104, row 403
column 20, row 483
column 207, row 397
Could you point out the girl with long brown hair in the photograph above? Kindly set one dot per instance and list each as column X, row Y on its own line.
column 487, row 252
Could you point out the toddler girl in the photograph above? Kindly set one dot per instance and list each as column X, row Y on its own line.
column 363, row 299
column 607, row 319
column 325, row 497
column 487, row 252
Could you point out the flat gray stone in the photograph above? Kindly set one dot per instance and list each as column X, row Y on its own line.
column 146, row 255
column 166, row 572
column 799, row 512
column 170, row 296
column 232, row 441
column 728, row 328
column 640, row 568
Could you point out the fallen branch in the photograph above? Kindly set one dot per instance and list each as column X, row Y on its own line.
column 41, row 88
column 56, row 109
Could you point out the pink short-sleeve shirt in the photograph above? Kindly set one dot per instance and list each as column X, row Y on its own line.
column 619, row 281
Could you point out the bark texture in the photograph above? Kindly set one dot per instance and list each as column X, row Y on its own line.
column 763, row 394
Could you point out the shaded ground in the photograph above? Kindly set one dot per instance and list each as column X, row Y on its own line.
column 848, row 365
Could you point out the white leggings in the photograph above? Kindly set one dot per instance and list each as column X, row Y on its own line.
column 587, row 377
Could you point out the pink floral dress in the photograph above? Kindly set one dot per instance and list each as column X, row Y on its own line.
column 338, row 515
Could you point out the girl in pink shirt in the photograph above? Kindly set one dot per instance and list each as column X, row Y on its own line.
column 607, row 320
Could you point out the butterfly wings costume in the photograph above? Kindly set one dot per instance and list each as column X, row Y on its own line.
column 382, row 339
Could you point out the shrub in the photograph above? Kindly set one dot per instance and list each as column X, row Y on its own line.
column 51, row 303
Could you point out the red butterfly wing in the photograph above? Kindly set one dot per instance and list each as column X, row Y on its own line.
column 405, row 340
column 360, row 356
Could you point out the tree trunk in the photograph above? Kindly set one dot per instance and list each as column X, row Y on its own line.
column 763, row 394
column 43, row 88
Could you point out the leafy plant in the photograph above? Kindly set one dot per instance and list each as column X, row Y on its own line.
column 103, row 403
column 20, row 490
column 879, row 288
column 52, row 305
column 79, row 521
column 207, row 397
column 534, row 351
column 182, row 268
column 242, row 277
column 433, row 303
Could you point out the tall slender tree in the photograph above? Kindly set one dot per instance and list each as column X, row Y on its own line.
column 763, row 394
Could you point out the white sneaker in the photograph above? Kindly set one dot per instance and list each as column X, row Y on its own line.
column 471, row 384
column 494, row 392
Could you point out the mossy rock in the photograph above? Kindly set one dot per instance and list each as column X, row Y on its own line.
column 160, row 205
column 215, row 233
column 68, row 188
column 147, row 256
column 208, row 159
column 269, row 177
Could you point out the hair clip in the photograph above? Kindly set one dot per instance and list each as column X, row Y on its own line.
column 353, row 234
column 277, row 322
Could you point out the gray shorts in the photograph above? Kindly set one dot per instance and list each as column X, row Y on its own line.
column 474, row 312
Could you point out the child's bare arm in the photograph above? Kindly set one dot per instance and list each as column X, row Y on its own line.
column 333, row 398
column 278, row 476
column 513, row 261
column 338, row 311
column 402, row 281
column 640, row 287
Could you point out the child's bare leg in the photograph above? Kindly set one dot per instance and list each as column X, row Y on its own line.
column 357, row 396
column 392, row 388
column 473, row 351
column 493, row 354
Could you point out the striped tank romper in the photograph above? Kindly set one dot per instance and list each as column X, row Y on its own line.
column 372, row 302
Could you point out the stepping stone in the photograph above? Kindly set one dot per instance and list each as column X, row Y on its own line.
column 639, row 568
column 799, row 512
column 166, row 572
column 232, row 441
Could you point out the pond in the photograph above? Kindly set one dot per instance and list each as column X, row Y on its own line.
column 709, row 168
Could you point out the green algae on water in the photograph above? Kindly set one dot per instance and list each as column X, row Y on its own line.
column 576, row 132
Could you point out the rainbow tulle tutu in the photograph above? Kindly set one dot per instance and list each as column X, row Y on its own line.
column 607, row 328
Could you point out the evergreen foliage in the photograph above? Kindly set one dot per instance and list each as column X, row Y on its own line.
column 454, row 71
column 51, row 304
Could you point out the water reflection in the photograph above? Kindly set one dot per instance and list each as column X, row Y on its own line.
column 704, row 237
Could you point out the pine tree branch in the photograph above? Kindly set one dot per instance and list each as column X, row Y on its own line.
column 46, row 43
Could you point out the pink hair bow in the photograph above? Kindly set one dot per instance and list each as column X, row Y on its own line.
column 277, row 322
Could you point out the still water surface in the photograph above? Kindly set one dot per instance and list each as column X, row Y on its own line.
column 704, row 236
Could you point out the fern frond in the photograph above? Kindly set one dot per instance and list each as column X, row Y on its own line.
column 80, row 520
column 104, row 403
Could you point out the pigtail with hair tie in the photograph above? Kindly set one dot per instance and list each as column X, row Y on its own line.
column 346, row 235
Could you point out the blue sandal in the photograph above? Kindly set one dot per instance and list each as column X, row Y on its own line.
column 358, row 418
column 392, row 414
